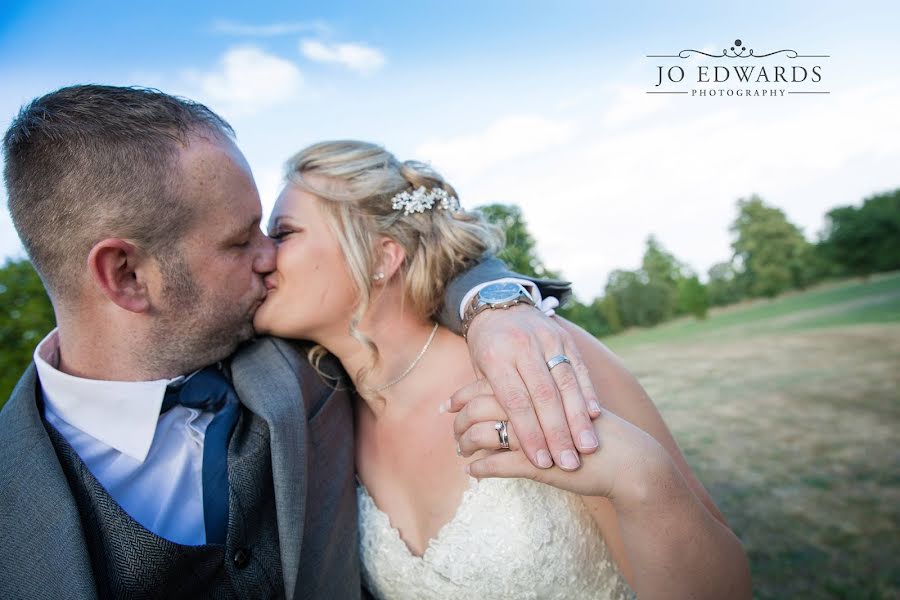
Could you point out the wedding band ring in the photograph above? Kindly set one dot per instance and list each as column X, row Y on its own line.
column 503, row 434
column 558, row 360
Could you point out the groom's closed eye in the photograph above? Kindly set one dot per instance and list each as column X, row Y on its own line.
column 244, row 237
column 241, row 241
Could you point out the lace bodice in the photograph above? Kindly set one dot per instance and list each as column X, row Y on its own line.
column 510, row 538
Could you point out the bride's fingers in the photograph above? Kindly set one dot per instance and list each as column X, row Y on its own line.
column 478, row 409
column 461, row 398
column 484, row 436
column 503, row 464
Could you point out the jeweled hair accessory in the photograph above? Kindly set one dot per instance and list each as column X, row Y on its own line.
column 420, row 199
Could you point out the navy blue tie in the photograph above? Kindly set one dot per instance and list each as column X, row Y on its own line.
column 210, row 390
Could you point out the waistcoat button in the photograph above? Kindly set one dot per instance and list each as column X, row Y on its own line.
column 241, row 557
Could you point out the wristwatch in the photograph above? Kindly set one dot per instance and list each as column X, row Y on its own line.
column 495, row 295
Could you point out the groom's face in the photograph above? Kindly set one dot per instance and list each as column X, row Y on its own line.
column 215, row 281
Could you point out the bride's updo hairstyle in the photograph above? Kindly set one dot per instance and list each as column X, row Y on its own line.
column 360, row 182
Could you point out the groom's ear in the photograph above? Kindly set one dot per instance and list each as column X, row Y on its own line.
column 119, row 269
column 391, row 257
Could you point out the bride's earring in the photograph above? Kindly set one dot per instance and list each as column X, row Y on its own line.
column 378, row 276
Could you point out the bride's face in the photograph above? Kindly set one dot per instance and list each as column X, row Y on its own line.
column 310, row 292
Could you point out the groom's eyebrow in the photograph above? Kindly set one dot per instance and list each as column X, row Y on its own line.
column 247, row 229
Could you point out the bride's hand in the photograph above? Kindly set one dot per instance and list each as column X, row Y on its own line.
column 628, row 464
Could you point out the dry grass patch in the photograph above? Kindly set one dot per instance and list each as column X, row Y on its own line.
column 796, row 436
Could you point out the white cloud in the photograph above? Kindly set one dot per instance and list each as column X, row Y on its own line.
column 269, row 30
column 356, row 57
column 633, row 103
column 247, row 80
column 466, row 156
column 676, row 171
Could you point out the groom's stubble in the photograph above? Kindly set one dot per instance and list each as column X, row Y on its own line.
column 195, row 327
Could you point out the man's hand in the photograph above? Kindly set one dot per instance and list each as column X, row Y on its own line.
column 549, row 410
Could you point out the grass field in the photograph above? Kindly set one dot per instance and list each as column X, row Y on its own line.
column 789, row 412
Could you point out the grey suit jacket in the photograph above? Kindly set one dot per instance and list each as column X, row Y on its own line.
column 311, row 429
column 40, row 528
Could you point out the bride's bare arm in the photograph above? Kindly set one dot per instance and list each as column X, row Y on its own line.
column 621, row 393
column 660, row 524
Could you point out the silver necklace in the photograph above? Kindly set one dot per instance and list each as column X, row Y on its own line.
column 414, row 363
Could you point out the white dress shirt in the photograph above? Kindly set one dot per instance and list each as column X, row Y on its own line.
column 150, row 464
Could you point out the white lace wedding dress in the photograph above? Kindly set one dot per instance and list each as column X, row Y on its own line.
column 510, row 538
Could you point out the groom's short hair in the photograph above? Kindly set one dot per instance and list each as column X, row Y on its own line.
column 88, row 162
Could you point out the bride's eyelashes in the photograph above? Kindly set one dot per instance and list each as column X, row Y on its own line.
column 280, row 234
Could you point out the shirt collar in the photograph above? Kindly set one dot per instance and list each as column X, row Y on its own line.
column 121, row 414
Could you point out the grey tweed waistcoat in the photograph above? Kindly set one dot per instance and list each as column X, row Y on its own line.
column 129, row 561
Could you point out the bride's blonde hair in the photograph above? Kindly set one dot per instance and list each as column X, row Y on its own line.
column 361, row 180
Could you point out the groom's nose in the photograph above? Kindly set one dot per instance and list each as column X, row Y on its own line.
column 264, row 262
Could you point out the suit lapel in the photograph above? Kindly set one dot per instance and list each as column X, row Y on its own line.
column 41, row 519
column 265, row 376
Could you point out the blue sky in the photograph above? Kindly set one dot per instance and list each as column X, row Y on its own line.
column 538, row 104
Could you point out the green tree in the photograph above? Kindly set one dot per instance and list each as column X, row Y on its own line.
column 771, row 252
column 864, row 240
column 692, row 297
column 27, row 317
column 610, row 310
column 587, row 316
column 639, row 302
column 519, row 253
column 663, row 272
column 599, row 318
column 660, row 265
column 723, row 286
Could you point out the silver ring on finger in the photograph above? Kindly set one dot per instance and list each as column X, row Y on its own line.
column 503, row 434
column 557, row 360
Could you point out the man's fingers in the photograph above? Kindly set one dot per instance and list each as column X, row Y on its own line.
column 577, row 417
column 574, row 402
column 484, row 436
column 513, row 395
column 548, row 407
column 583, row 376
column 503, row 464
column 464, row 395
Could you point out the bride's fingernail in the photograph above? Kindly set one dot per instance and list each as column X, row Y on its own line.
column 589, row 439
column 445, row 406
column 468, row 470
column 543, row 459
column 595, row 406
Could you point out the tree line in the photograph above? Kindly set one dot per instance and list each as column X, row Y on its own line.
column 770, row 256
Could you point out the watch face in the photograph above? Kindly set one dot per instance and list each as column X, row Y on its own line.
column 500, row 292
